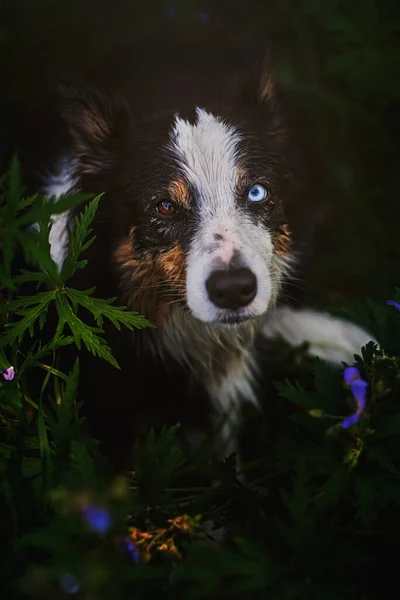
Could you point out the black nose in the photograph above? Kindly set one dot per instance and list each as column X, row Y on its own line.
column 232, row 289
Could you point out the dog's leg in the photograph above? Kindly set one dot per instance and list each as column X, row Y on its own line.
column 330, row 338
column 228, row 392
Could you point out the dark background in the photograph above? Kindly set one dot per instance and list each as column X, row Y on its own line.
column 339, row 60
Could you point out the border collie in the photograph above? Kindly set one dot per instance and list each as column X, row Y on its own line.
column 192, row 232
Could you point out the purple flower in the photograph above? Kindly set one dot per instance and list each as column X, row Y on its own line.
column 349, row 421
column 68, row 584
column 8, row 374
column 351, row 374
column 358, row 388
column 97, row 518
column 132, row 550
column 395, row 304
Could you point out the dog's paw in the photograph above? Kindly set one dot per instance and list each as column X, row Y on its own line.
column 330, row 338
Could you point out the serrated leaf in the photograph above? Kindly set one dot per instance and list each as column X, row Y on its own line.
column 157, row 465
column 65, row 410
column 103, row 308
column 83, row 461
column 333, row 488
column 297, row 394
column 26, row 202
column 297, row 500
column 67, row 202
column 33, row 356
column 14, row 187
column 30, row 309
column 77, row 239
column 82, row 332
column 31, row 276
column 44, row 446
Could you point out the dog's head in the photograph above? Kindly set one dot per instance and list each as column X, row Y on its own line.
column 194, row 201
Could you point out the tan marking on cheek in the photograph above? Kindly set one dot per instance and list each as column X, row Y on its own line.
column 144, row 280
column 124, row 253
column 173, row 265
column 179, row 192
column 282, row 241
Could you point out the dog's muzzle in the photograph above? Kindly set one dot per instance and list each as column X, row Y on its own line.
column 232, row 289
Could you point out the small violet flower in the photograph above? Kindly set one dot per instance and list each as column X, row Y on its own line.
column 393, row 303
column 358, row 388
column 97, row 518
column 351, row 374
column 131, row 549
column 68, row 584
column 8, row 374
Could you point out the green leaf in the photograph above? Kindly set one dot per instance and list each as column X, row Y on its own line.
column 103, row 308
column 65, row 426
column 33, row 356
column 78, row 241
column 31, row 276
column 14, row 188
column 44, row 446
column 157, row 465
column 333, row 489
column 80, row 331
column 297, row 501
column 26, row 202
column 297, row 394
column 30, row 308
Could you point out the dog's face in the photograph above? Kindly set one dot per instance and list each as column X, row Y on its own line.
column 195, row 204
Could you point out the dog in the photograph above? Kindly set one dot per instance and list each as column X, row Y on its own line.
column 192, row 232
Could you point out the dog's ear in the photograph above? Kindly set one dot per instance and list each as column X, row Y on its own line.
column 97, row 122
column 258, row 84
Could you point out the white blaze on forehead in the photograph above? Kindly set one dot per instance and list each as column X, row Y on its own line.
column 208, row 155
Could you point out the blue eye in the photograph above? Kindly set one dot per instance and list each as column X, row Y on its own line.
column 257, row 193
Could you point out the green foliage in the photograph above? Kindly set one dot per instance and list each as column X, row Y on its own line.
column 20, row 315
column 320, row 497
column 317, row 514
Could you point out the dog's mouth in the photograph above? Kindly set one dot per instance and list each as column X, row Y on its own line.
column 232, row 320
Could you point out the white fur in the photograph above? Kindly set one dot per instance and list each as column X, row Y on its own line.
column 208, row 154
column 330, row 338
column 209, row 349
column 223, row 358
column 61, row 182
column 227, row 396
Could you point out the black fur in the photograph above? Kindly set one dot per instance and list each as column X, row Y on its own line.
column 121, row 149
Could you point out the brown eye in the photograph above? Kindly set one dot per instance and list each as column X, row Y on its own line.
column 166, row 208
